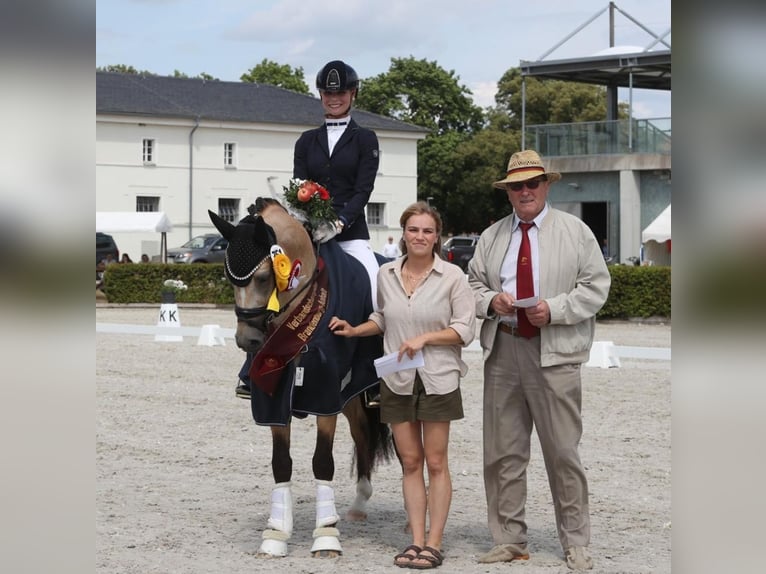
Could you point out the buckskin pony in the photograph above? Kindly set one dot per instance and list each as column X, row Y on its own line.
column 286, row 289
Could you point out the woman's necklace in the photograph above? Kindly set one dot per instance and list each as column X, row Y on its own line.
column 412, row 281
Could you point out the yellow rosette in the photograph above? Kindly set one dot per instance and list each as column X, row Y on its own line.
column 281, row 264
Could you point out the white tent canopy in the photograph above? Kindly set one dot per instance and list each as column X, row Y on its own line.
column 659, row 229
column 656, row 240
column 116, row 221
column 127, row 221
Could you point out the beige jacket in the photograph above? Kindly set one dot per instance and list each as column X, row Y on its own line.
column 574, row 280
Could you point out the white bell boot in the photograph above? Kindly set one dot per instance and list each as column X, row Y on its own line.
column 326, row 535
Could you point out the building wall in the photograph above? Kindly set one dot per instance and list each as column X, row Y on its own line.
column 635, row 189
column 263, row 164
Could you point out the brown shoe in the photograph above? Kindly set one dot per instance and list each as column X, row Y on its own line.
column 505, row 553
column 403, row 559
column 578, row 558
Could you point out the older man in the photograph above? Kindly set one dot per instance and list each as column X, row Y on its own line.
column 539, row 278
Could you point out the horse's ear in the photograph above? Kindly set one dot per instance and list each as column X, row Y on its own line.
column 226, row 228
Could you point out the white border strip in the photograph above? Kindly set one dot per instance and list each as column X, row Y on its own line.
column 126, row 329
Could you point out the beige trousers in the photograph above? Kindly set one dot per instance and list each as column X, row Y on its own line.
column 518, row 394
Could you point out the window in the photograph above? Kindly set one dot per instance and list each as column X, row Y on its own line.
column 229, row 155
column 228, row 209
column 375, row 213
column 148, row 153
column 147, row 203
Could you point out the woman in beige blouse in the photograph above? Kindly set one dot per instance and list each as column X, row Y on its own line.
column 425, row 305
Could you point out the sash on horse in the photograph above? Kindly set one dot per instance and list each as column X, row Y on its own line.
column 334, row 369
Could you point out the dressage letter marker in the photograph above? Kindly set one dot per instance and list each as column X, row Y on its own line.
column 168, row 318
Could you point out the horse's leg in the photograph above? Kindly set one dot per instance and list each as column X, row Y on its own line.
column 360, row 433
column 326, row 534
column 280, row 525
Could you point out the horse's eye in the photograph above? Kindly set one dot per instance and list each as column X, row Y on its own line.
column 262, row 278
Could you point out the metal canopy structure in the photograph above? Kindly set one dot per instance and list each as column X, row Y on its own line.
column 613, row 68
column 647, row 70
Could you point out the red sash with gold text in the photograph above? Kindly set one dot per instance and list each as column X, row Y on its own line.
column 284, row 344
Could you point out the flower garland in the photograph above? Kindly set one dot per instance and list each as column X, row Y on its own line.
column 311, row 200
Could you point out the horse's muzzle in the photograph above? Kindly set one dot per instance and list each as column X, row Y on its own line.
column 252, row 326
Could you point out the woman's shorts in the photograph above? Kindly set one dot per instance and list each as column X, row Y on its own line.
column 419, row 406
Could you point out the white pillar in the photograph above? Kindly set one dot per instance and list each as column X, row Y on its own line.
column 630, row 215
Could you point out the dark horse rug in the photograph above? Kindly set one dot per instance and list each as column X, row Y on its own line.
column 329, row 370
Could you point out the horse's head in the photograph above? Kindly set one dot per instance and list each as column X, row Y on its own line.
column 260, row 295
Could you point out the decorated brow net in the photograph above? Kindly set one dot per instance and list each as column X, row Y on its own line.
column 244, row 256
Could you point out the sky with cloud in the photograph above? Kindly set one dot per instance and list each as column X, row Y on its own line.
column 478, row 39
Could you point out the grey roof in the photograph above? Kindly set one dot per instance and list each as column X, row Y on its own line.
column 164, row 96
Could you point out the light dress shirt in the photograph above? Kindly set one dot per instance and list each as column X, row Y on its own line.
column 335, row 131
column 442, row 300
column 508, row 270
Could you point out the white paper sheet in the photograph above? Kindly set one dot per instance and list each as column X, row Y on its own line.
column 388, row 364
column 524, row 303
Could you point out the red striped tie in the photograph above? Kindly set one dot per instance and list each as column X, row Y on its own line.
column 525, row 283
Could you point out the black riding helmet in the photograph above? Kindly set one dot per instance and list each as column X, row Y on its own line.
column 337, row 76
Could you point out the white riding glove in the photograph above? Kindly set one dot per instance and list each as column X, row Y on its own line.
column 327, row 230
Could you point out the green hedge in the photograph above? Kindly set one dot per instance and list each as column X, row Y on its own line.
column 142, row 283
column 635, row 291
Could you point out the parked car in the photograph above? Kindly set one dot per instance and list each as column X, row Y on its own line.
column 208, row 248
column 105, row 245
column 459, row 249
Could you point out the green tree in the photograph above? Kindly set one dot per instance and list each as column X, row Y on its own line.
column 457, row 171
column 421, row 93
column 437, row 169
column 200, row 76
column 127, row 69
column 124, row 69
column 284, row 76
column 547, row 102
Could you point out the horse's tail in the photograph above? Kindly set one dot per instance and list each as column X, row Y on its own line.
column 381, row 442
column 377, row 444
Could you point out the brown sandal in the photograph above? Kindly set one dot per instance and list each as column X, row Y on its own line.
column 403, row 559
column 434, row 560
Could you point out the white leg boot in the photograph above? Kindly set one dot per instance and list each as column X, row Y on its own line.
column 325, row 505
column 326, row 542
column 280, row 525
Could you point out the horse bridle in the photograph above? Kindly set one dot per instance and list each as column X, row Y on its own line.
column 249, row 315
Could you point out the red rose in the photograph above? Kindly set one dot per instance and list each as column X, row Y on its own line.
column 323, row 193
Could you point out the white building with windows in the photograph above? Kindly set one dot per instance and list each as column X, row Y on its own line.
column 185, row 146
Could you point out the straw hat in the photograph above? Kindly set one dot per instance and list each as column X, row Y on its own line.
column 525, row 165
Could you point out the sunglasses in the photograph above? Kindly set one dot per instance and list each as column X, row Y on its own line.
column 531, row 184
